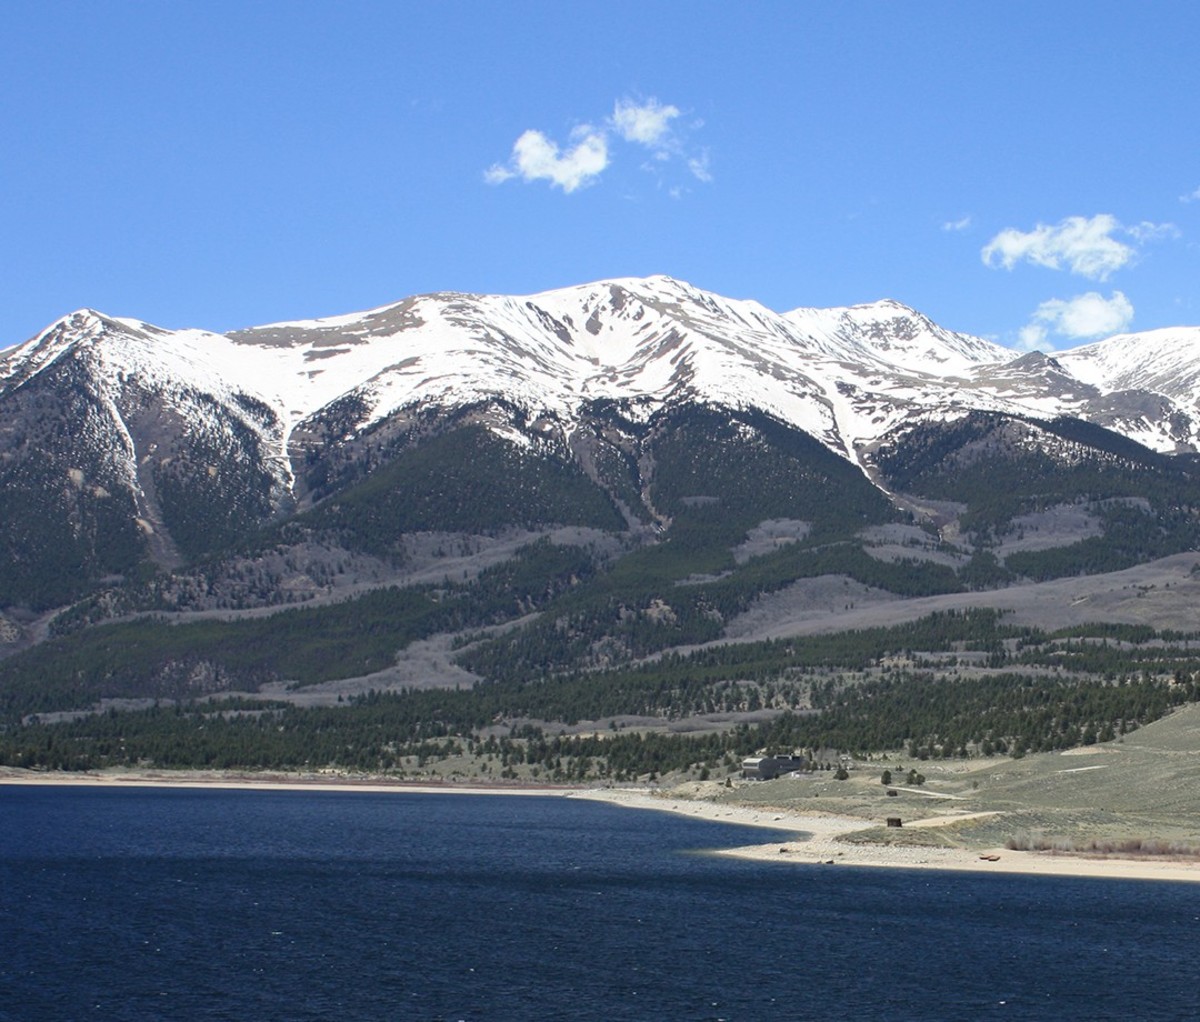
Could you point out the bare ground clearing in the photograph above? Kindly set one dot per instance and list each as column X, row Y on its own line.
column 1164, row 594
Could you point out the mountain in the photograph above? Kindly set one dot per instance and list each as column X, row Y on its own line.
column 461, row 488
column 124, row 444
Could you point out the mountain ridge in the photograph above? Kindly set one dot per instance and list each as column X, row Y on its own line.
column 123, row 443
column 636, row 338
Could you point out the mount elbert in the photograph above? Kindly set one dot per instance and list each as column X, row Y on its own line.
column 660, row 440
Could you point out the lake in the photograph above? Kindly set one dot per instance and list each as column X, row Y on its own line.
column 199, row 904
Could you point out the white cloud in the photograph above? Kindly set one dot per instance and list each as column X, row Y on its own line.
column 537, row 158
column 647, row 123
column 1191, row 196
column 1084, row 246
column 1078, row 318
column 961, row 224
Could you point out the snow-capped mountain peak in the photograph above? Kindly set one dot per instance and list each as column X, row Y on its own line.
column 1165, row 361
column 843, row 375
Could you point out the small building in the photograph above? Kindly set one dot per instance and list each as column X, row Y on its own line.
column 767, row 768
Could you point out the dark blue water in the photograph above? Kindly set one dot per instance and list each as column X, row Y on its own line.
column 251, row 905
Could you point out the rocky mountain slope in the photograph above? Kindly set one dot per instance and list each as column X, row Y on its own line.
column 459, row 488
column 122, row 443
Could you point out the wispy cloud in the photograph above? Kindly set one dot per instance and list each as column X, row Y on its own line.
column 1084, row 246
column 646, row 123
column 1146, row 231
column 1191, row 196
column 698, row 166
column 961, row 224
column 1076, row 319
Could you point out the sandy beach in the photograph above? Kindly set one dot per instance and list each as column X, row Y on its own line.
column 820, row 838
column 806, row 838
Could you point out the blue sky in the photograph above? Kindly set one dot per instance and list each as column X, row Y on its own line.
column 1028, row 172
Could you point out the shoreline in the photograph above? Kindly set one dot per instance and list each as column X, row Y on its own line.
column 819, row 838
column 267, row 782
column 803, row 838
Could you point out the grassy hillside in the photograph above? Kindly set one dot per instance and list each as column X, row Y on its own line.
column 1138, row 794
